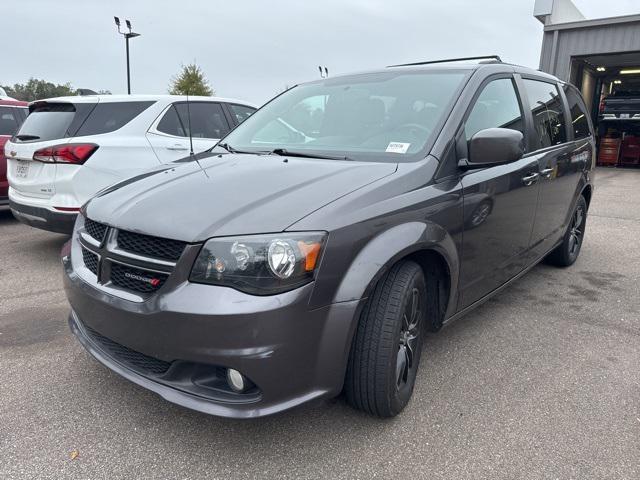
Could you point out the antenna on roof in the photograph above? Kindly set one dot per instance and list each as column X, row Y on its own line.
column 189, row 127
column 325, row 73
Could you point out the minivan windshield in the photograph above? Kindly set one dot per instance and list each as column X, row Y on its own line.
column 384, row 116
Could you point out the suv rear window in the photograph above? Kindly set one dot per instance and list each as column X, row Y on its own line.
column 48, row 121
column 51, row 121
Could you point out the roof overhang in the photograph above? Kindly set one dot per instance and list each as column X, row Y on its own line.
column 596, row 22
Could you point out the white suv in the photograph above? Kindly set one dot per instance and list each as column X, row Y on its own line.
column 70, row 148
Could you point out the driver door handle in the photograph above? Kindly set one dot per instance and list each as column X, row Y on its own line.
column 546, row 173
column 530, row 179
column 177, row 146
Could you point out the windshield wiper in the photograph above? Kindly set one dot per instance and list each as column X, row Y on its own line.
column 27, row 137
column 226, row 146
column 283, row 152
column 230, row 149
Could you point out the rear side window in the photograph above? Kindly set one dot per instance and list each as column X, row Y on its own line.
column 241, row 112
column 496, row 107
column 207, row 120
column 10, row 120
column 171, row 124
column 579, row 117
column 110, row 116
column 547, row 111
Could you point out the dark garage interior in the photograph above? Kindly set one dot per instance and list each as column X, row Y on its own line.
column 610, row 85
column 602, row 58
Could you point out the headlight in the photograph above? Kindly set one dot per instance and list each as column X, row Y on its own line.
column 260, row 264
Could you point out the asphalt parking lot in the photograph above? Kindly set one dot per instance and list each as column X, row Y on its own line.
column 541, row 382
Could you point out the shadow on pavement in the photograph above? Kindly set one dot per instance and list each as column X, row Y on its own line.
column 6, row 216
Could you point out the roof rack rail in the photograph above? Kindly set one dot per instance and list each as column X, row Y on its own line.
column 447, row 60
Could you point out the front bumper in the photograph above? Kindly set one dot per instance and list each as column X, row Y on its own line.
column 44, row 219
column 291, row 353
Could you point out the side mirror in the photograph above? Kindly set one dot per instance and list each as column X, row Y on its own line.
column 494, row 146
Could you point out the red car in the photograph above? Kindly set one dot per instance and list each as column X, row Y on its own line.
column 12, row 114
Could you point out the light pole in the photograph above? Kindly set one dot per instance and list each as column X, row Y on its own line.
column 127, row 36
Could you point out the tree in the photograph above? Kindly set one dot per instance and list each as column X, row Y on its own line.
column 36, row 89
column 190, row 81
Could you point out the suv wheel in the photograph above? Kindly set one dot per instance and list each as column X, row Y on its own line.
column 386, row 349
column 567, row 252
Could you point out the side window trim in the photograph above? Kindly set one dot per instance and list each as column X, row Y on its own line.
column 228, row 114
column 567, row 115
column 528, row 116
column 472, row 104
column 154, row 126
column 568, row 121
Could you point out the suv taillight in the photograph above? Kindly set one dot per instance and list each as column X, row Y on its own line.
column 76, row 153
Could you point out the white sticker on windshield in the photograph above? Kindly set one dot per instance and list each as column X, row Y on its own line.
column 397, row 147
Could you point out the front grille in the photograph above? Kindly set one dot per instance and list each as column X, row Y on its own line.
column 90, row 261
column 150, row 246
column 95, row 229
column 135, row 360
column 136, row 279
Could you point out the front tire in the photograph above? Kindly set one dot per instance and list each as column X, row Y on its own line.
column 567, row 252
column 385, row 355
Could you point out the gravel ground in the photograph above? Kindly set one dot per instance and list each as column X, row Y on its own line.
column 541, row 382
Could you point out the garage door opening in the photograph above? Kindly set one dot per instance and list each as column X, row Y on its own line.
column 610, row 85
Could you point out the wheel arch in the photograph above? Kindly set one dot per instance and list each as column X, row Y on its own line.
column 426, row 243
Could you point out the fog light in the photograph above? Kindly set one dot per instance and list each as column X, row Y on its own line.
column 236, row 380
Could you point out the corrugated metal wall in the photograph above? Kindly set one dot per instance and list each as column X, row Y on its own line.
column 591, row 40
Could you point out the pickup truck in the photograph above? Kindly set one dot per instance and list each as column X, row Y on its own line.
column 622, row 105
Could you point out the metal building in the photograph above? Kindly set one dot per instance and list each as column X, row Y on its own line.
column 600, row 56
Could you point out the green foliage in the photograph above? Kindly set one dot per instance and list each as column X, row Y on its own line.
column 36, row 89
column 190, row 81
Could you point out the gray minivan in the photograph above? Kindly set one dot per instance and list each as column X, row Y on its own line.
column 311, row 250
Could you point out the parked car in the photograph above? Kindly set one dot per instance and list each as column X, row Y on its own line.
column 284, row 267
column 4, row 95
column 70, row 148
column 12, row 114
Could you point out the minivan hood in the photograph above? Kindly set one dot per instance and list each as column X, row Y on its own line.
column 231, row 194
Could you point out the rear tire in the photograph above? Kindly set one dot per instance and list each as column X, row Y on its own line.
column 385, row 354
column 567, row 252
